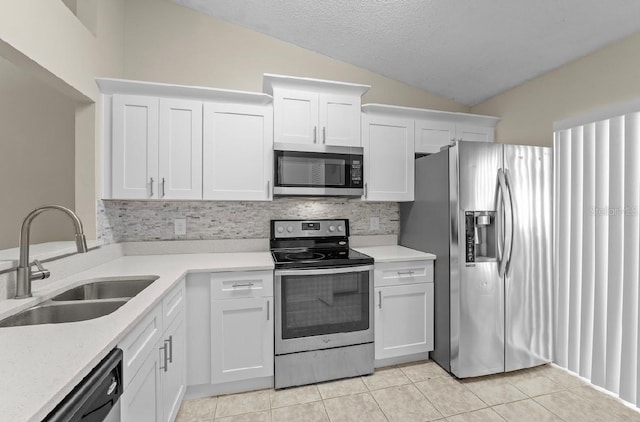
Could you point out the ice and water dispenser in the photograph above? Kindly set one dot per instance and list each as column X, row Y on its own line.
column 480, row 236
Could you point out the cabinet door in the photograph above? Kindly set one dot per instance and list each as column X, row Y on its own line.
column 180, row 149
column 141, row 400
column 403, row 320
column 238, row 152
column 388, row 158
column 431, row 135
column 474, row 133
column 295, row 116
column 241, row 339
column 135, row 147
column 339, row 120
column 174, row 377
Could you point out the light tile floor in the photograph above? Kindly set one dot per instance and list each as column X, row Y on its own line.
column 421, row 392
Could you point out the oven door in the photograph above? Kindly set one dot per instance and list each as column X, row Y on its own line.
column 323, row 308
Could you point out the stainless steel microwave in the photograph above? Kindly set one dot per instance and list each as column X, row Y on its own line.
column 317, row 170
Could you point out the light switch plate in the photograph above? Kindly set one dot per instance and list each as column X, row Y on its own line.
column 180, row 226
column 374, row 223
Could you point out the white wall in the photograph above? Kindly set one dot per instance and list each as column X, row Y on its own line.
column 46, row 40
column 168, row 43
column 36, row 155
column 527, row 112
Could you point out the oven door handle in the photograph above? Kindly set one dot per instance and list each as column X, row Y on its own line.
column 325, row 271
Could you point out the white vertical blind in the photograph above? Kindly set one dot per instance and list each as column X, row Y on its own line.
column 597, row 229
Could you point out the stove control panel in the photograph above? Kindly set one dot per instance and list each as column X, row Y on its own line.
column 309, row 228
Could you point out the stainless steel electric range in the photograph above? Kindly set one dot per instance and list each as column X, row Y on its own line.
column 323, row 303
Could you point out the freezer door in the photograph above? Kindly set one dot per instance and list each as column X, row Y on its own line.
column 529, row 174
column 477, row 291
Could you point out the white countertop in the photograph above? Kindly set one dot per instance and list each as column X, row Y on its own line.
column 394, row 253
column 40, row 364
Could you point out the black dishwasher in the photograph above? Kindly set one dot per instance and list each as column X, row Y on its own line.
column 95, row 398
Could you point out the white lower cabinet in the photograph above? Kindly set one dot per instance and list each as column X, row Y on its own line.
column 141, row 400
column 241, row 326
column 156, row 379
column 403, row 309
column 241, row 339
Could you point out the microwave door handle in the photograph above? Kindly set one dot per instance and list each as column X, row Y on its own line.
column 325, row 271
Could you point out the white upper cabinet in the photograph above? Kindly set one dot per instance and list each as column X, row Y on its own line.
column 135, row 147
column 313, row 111
column 166, row 141
column 238, row 152
column 388, row 157
column 157, row 148
column 180, row 173
column 436, row 129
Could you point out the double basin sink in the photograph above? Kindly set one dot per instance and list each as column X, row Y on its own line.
column 93, row 299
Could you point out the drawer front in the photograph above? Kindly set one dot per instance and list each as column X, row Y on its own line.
column 398, row 273
column 173, row 303
column 235, row 285
column 139, row 342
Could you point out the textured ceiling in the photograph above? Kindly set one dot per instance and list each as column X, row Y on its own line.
column 465, row 50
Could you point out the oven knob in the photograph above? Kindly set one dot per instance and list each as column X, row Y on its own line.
column 332, row 228
column 280, row 229
column 290, row 229
column 340, row 228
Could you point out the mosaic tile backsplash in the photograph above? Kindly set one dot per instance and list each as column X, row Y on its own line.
column 135, row 221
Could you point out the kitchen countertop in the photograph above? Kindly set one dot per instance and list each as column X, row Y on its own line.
column 394, row 253
column 40, row 364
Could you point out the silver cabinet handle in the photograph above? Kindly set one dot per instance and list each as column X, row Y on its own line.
column 162, row 185
column 324, row 135
column 409, row 273
column 315, row 134
column 170, row 341
column 151, row 185
column 164, row 357
column 365, row 190
column 268, row 311
column 242, row 285
column 268, row 188
column 380, row 299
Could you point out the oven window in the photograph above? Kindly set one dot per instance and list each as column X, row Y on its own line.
column 311, row 170
column 324, row 304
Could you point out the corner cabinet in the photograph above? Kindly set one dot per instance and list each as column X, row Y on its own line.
column 154, row 362
column 388, row 143
column 314, row 111
column 403, row 309
column 178, row 142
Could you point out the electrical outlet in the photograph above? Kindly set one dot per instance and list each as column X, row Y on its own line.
column 180, row 226
column 374, row 223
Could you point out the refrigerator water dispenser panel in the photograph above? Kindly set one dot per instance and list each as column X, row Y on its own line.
column 480, row 236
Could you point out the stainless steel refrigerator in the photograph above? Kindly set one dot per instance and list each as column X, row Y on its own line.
column 485, row 210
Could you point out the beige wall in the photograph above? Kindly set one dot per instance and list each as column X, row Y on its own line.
column 608, row 76
column 37, row 155
column 168, row 43
column 46, row 40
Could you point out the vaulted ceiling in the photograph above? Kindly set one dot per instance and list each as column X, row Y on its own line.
column 465, row 50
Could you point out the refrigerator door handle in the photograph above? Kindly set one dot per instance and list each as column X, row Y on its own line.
column 499, row 221
column 508, row 217
column 507, row 174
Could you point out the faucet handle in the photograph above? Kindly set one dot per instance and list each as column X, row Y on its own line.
column 42, row 272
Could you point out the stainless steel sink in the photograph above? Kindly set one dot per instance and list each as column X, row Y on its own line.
column 59, row 312
column 108, row 288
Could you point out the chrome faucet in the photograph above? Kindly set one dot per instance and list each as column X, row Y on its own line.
column 25, row 275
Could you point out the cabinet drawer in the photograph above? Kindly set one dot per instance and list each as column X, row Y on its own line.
column 235, row 285
column 397, row 273
column 173, row 303
column 139, row 342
